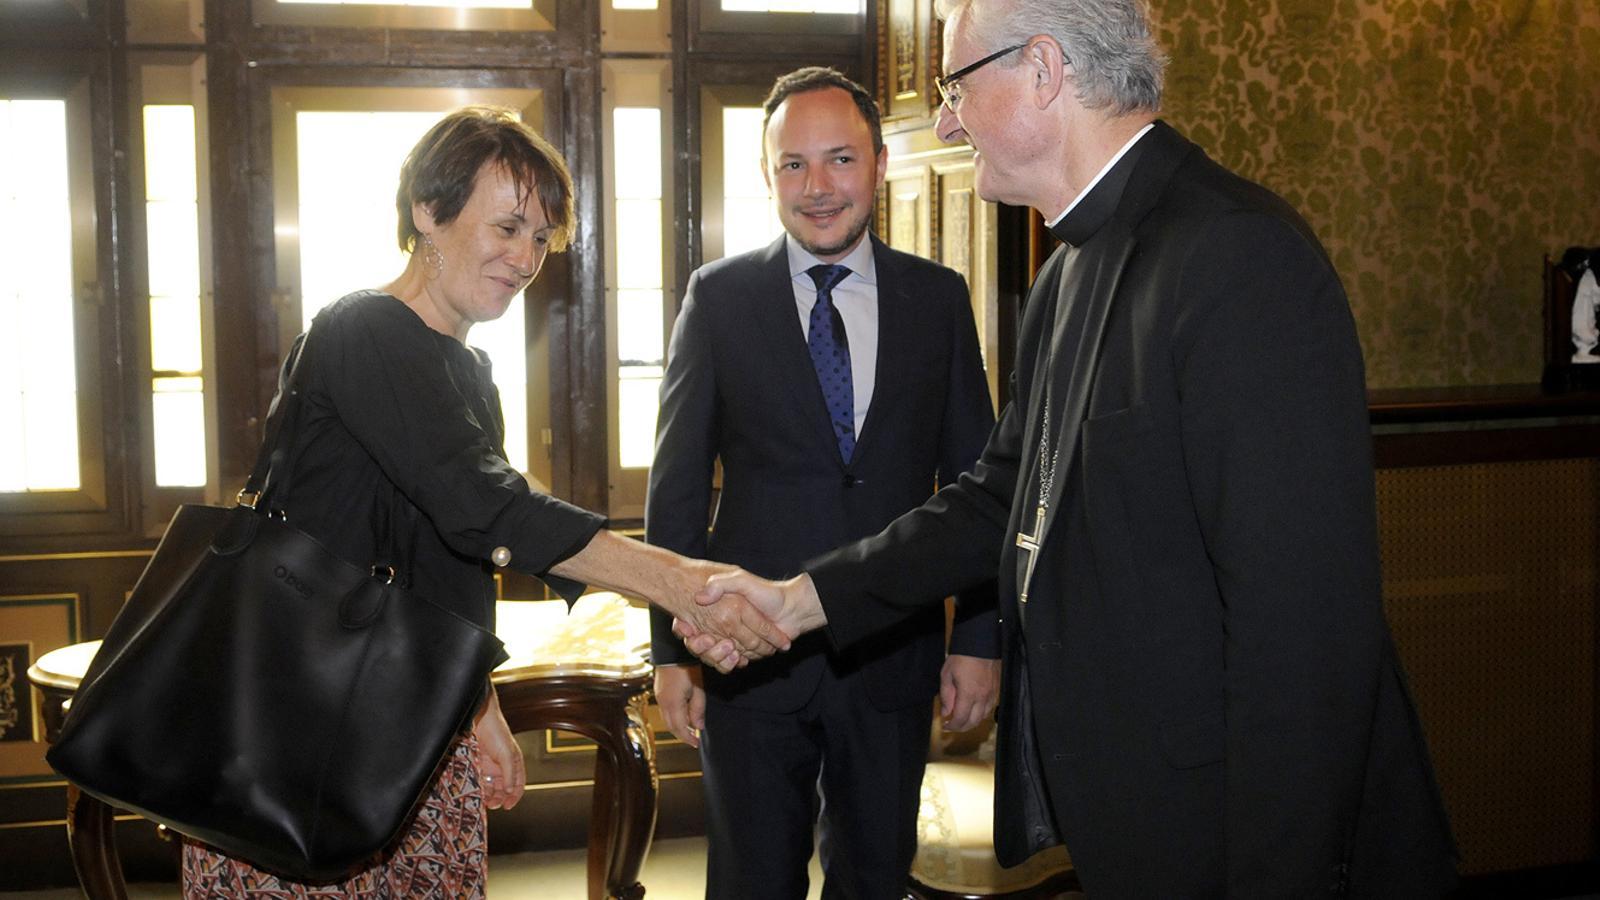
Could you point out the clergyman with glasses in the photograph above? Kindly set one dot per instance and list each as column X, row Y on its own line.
column 1200, row 695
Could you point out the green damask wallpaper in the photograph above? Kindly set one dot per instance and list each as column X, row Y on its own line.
column 1438, row 147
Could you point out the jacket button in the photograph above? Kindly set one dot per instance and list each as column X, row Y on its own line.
column 851, row 481
column 501, row 556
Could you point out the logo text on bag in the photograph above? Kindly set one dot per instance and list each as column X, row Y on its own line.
column 287, row 577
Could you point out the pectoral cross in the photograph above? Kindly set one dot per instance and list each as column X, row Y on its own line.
column 1029, row 544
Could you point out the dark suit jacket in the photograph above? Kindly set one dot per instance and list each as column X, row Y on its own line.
column 740, row 387
column 1217, row 703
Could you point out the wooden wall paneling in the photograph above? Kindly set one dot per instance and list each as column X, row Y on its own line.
column 709, row 30
column 1491, row 589
column 329, row 35
column 244, row 322
column 49, row 600
column 79, row 23
column 909, row 39
column 1394, row 448
column 170, row 22
column 580, row 331
column 31, row 625
column 909, row 209
column 967, row 241
column 535, row 17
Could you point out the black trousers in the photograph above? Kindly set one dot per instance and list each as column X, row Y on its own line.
column 770, row 778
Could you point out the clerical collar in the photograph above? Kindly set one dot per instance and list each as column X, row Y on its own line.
column 1095, row 203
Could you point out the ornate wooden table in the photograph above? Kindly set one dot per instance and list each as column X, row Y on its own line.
column 584, row 672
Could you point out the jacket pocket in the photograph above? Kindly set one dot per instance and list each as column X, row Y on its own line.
column 1110, row 444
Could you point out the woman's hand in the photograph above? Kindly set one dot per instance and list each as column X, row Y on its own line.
column 500, row 762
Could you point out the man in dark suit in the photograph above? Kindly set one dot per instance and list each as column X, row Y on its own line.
column 837, row 381
column 1201, row 697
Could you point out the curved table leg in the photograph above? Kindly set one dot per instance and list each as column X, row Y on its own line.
column 91, row 837
column 624, row 806
column 609, row 712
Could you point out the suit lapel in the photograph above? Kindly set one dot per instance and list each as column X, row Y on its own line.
column 1079, row 384
column 785, row 341
column 894, row 350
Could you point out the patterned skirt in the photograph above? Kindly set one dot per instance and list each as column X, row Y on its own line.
column 443, row 854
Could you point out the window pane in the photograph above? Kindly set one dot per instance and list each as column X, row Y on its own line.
column 347, row 212
column 38, row 381
column 169, row 152
column 174, row 231
column 639, row 287
column 638, row 244
column 13, row 453
column 507, row 348
column 50, row 428
column 172, row 226
column 447, row 4
column 789, row 6
column 347, row 235
column 180, row 431
column 638, row 143
column 749, row 219
column 639, row 324
column 741, row 152
column 748, row 224
column 638, row 400
column 175, row 335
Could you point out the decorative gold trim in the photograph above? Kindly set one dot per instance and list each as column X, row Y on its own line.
column 589, row 782
column 92, row 554
column 52, row 823
column 34, row 785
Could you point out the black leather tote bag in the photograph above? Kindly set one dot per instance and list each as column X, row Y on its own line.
column 261, row 695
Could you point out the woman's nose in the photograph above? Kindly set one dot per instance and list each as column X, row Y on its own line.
column 522, row 257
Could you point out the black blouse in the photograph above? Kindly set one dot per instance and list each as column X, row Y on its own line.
column 398, row 459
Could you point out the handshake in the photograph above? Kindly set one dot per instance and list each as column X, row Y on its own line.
column 736, row 617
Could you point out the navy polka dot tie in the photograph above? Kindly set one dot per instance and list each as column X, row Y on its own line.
column 830, row 353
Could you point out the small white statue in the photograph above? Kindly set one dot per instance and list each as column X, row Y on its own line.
column 1585, row 307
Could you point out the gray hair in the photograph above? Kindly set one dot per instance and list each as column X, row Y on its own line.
column 1116, row 62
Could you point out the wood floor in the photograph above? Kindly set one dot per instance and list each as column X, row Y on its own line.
column 675, row 870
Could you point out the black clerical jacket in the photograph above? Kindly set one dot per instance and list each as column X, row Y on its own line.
column 1201, row 697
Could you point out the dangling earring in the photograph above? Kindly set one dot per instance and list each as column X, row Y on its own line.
column 432, row 258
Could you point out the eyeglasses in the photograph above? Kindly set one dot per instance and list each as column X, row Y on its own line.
column 949, row 85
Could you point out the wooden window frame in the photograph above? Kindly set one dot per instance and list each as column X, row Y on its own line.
column 83, row 80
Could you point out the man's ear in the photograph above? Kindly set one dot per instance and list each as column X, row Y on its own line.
column 883, row 165
column 766, row 172
column 1049, row 68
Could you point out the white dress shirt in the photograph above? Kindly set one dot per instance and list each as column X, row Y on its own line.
column 856, row 299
